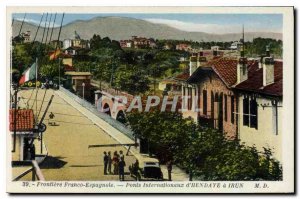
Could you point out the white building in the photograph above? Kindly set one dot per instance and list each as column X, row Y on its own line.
column 260, row 106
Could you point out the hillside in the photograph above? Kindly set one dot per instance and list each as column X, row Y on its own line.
column 118, row 28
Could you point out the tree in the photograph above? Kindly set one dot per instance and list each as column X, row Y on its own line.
column 131, row 81
column 50, row 70
column 203, row 152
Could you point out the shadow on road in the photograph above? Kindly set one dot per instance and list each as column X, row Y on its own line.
column 95, row 165
column 53, row 163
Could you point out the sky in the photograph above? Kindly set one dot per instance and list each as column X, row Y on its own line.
column 210, row 23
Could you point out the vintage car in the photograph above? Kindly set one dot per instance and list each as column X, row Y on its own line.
column 146, row 168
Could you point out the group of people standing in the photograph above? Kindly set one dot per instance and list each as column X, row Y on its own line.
column 117, row 161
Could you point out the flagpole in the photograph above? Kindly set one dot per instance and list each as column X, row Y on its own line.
column 36, row 75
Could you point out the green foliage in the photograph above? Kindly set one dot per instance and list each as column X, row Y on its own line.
column 203, row 152
column 51, row 70
column 258, row 47
column 131, row 80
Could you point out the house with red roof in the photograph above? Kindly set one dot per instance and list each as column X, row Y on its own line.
column 260, row 105
column 241, row 97
column 210, row 100
column 173, row 84
column 24, row 127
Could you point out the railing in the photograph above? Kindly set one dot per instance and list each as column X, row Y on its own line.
column 114, row 123
column 35, row 170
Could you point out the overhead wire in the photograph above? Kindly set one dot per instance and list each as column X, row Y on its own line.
column 44, row 28
column 22, row 24
column 38, row 28
column 54, row 52
column 48, row 29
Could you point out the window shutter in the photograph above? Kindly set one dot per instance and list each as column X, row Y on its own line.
column 246, row 112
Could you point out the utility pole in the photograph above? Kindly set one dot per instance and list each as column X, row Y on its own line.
column 83, row 85
column 15, row 116
column 59, row 72
column 112, row 71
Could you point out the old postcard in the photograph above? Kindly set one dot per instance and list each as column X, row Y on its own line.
column 150, row 100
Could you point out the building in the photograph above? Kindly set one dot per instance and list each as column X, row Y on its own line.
column 76, row 42
column 236, row 45
column 79, row 82
column 126, row 43
column 24, row 132
column 56, row 43
column 168, row 46
column 184, row 47
column 241, row 97
column 173, row 84
column 260, row 105
column 26, row 36
column 142, row 42
column 211, row 100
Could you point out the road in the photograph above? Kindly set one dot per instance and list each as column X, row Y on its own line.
column 67, row 142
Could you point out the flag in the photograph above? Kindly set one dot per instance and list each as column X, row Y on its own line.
column 28, row 74
column 55, row 54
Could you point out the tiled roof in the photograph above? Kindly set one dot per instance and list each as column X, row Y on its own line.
column 254, row 82
column 182, row 76
column 225, row 68
column 68, row 67
column 24, row 117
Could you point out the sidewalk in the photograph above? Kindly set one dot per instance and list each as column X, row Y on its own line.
column 113, row 132
column 177, row 173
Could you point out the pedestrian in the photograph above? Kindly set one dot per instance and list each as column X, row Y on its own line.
column 121, row 169
column 51, row 119
column 105, row 160
column 135, row 168
column 169, row 168
column 109, row 162
column 28, row 154
column 115, row 162
column 121, row 155
column 32, row 151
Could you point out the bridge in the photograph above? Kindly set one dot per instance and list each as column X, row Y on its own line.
column 105, row 101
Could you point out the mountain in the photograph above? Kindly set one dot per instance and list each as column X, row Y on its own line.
column 118, row 28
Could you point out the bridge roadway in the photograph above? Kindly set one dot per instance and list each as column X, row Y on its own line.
column 67, row 143
column 69, row 157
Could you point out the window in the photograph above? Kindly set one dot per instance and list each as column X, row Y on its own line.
column 198, row 103
column 232, row 109
column 253, row 113
column 204, row 102
column 250, row 113
column 225, row 107
column 246, row 111
column 73, row 81
column 189, row 98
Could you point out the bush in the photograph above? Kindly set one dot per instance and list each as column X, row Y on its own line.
column 203, row 152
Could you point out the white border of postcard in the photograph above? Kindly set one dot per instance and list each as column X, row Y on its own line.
column 285, row 186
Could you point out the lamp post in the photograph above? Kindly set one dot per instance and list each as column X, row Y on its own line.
column 83, row 85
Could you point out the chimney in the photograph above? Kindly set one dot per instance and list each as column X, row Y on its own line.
column 193, row 64
column 215, row 52
column 201, row 59
column 268, row 70
column 268, row 52
column 242, row 70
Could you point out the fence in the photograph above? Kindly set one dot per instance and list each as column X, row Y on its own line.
column 114, row 123
column 35, row 170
